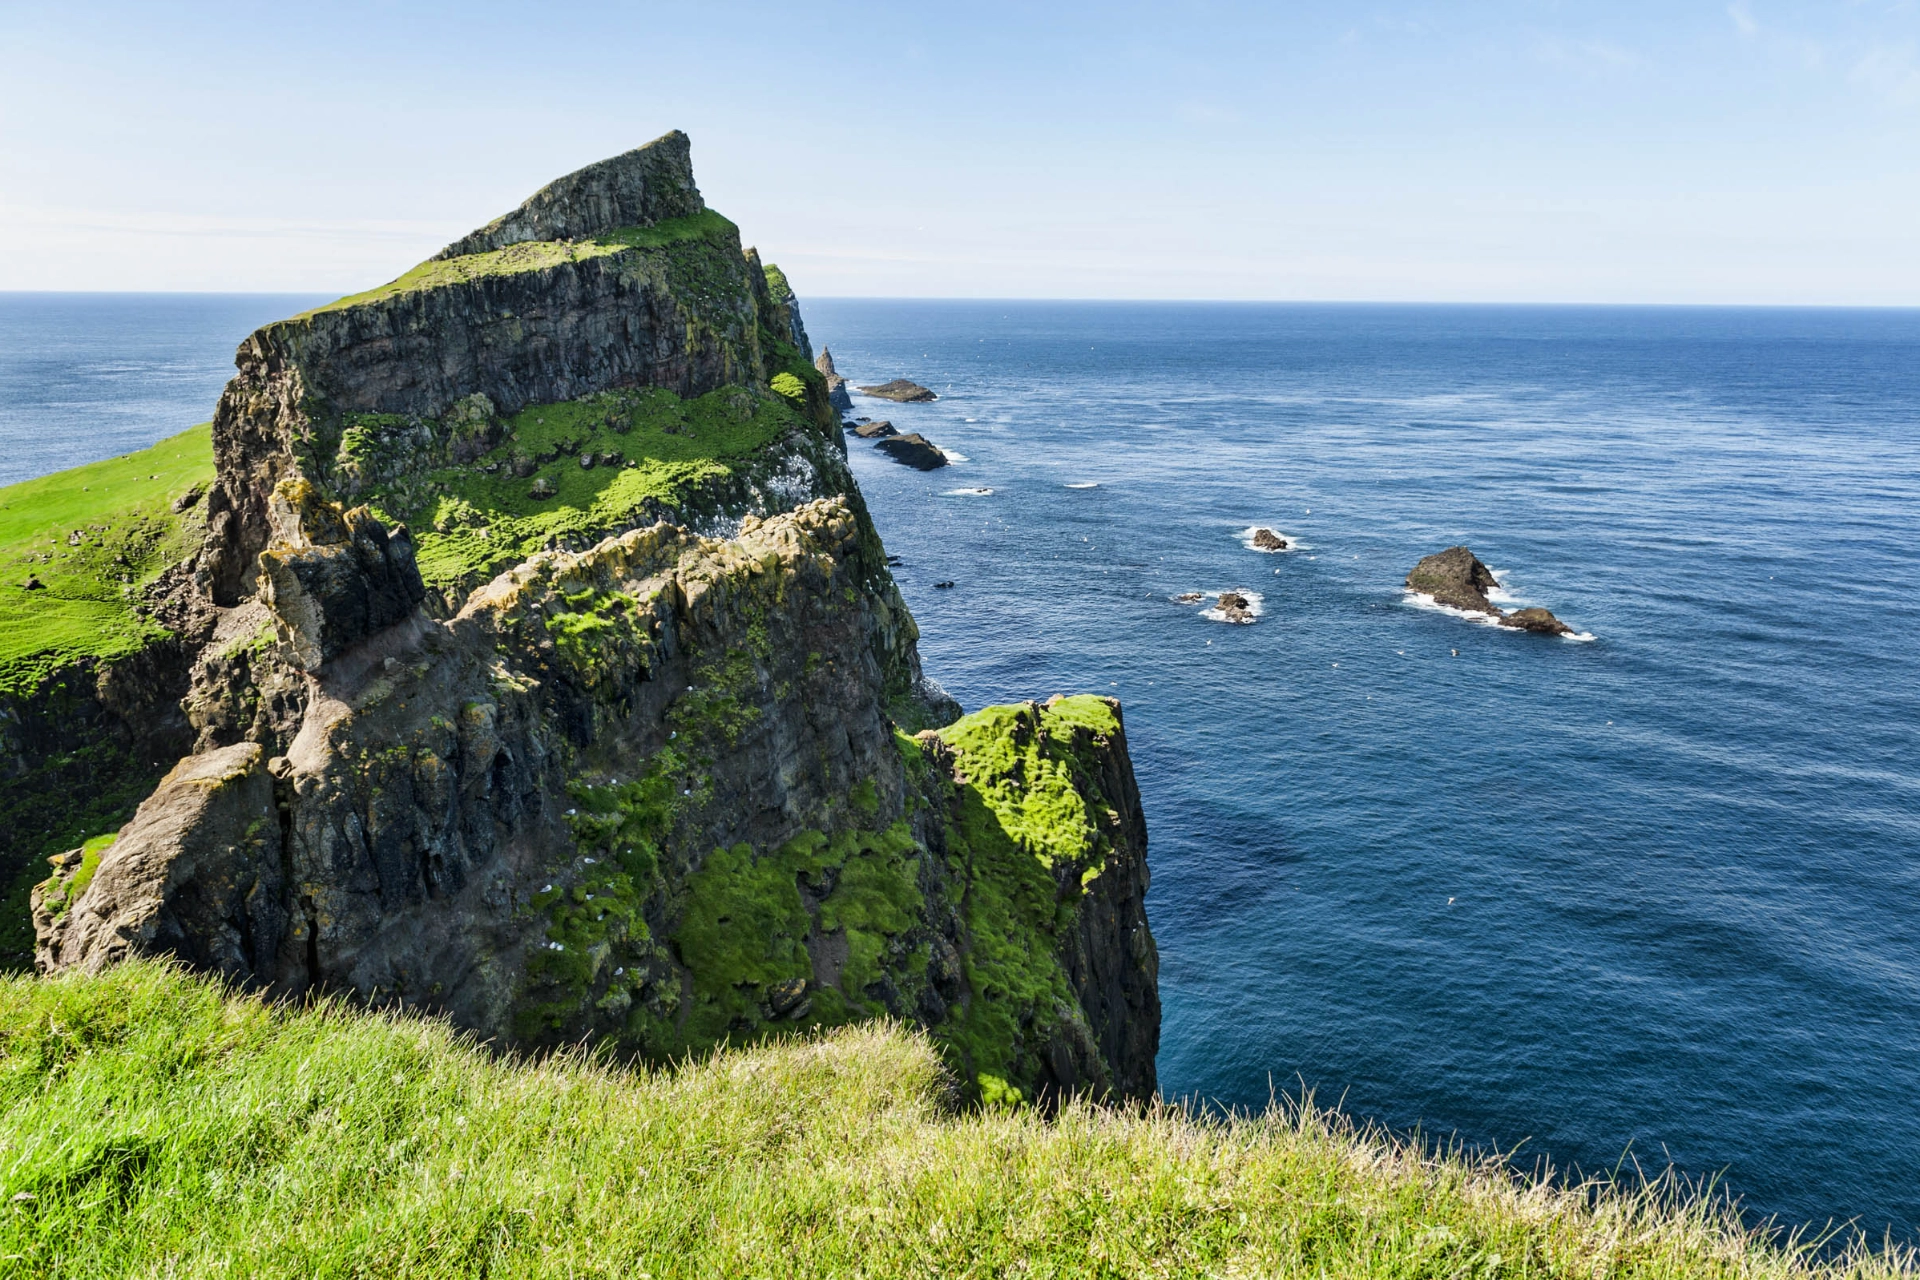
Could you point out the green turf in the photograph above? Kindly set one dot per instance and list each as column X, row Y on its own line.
column 127, row 533
column 153, row 1126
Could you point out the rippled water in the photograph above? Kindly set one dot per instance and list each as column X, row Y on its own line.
column 1654, row 895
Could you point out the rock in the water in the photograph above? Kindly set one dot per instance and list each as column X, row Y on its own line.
column 836, row 385
column 1231, row 606
column 1455, row 577
column 900, row 389
column 914, row 450
column 875, row 430
column 943, row 586
column 1268, row 540
column 1537, row 620
column 1190, row 597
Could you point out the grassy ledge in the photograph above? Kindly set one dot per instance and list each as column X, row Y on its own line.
column 538, row 255
column 156, row 1125
column 93, row 536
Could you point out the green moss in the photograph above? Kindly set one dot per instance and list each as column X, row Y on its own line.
column 1025, row 831
column 541, row 255
column 747, row 921
column 653, row 452
column 127, row 533
column 66, row 894
column 789, row 386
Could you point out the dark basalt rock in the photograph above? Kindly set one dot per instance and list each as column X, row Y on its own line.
column 1190, row 597
column 1268, row 540
column 914, row 450
column 33, row 584
column 1536, row 620
column 943, row 586
column 875, row 430
column 333, row 579
column 901, row 390
column 1455, row 577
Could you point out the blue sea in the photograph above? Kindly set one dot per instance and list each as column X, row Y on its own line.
column 1647, row 898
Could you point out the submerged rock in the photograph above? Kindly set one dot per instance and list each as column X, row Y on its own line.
column 901, row 390
column 1536, row 620
column 875, row 430
column 1190, row 597
column 914, row 450
column 1268, row 540
column 1455, row 577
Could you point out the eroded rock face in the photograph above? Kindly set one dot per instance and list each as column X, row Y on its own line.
column 333, row 578
column 553, row 816
column 900, row 390
column 1455, row 577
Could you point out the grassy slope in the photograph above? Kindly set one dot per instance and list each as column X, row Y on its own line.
column 122, row 510
column 154, row 1126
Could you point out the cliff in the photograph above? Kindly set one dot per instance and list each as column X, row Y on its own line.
column 546, row 671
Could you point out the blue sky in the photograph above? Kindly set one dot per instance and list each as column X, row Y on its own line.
column 1753, row 152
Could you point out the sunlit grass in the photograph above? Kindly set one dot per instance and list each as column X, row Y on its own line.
column 155, row 1125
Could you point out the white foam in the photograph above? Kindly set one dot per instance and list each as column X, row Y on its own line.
column 1084, row 484
column 968, row 493
column 1580, row 637
column 1255, row 605
column 1293, row 543
column 955, row 457
column 1420, row 600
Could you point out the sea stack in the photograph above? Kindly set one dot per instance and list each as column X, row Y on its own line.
column 1268, row 540
column 836, row 385
column 1455, row 577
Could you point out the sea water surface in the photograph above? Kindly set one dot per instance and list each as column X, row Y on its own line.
column 1652, row 897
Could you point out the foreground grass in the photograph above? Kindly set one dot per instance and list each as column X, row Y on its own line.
column 154, row 1125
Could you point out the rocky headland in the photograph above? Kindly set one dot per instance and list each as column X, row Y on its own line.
column 836, row 385
column 533, row 660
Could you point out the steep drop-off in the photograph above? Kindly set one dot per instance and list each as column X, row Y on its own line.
column 547, row 672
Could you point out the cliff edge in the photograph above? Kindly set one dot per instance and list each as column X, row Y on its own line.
column 546, row 671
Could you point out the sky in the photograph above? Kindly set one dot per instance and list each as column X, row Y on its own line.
column 1759, row 151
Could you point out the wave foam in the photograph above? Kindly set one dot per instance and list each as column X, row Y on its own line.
column 1084, row 484
column 953, row 456
column 967, row 493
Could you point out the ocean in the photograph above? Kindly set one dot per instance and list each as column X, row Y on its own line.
column 1645, row 899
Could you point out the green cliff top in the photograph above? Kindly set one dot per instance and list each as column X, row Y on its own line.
column 539, row 255
column 93, row 536
column 157, row 1125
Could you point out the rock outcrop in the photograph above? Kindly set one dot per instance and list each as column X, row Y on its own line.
column 1456, row 578
column 836, row 385
column 900, row 390
column 649, row 761
column 913, row 450
column 874, row 430
column 1268, row 540
column 1232, row 606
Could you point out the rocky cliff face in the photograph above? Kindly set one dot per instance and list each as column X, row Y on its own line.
column 557, row 682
